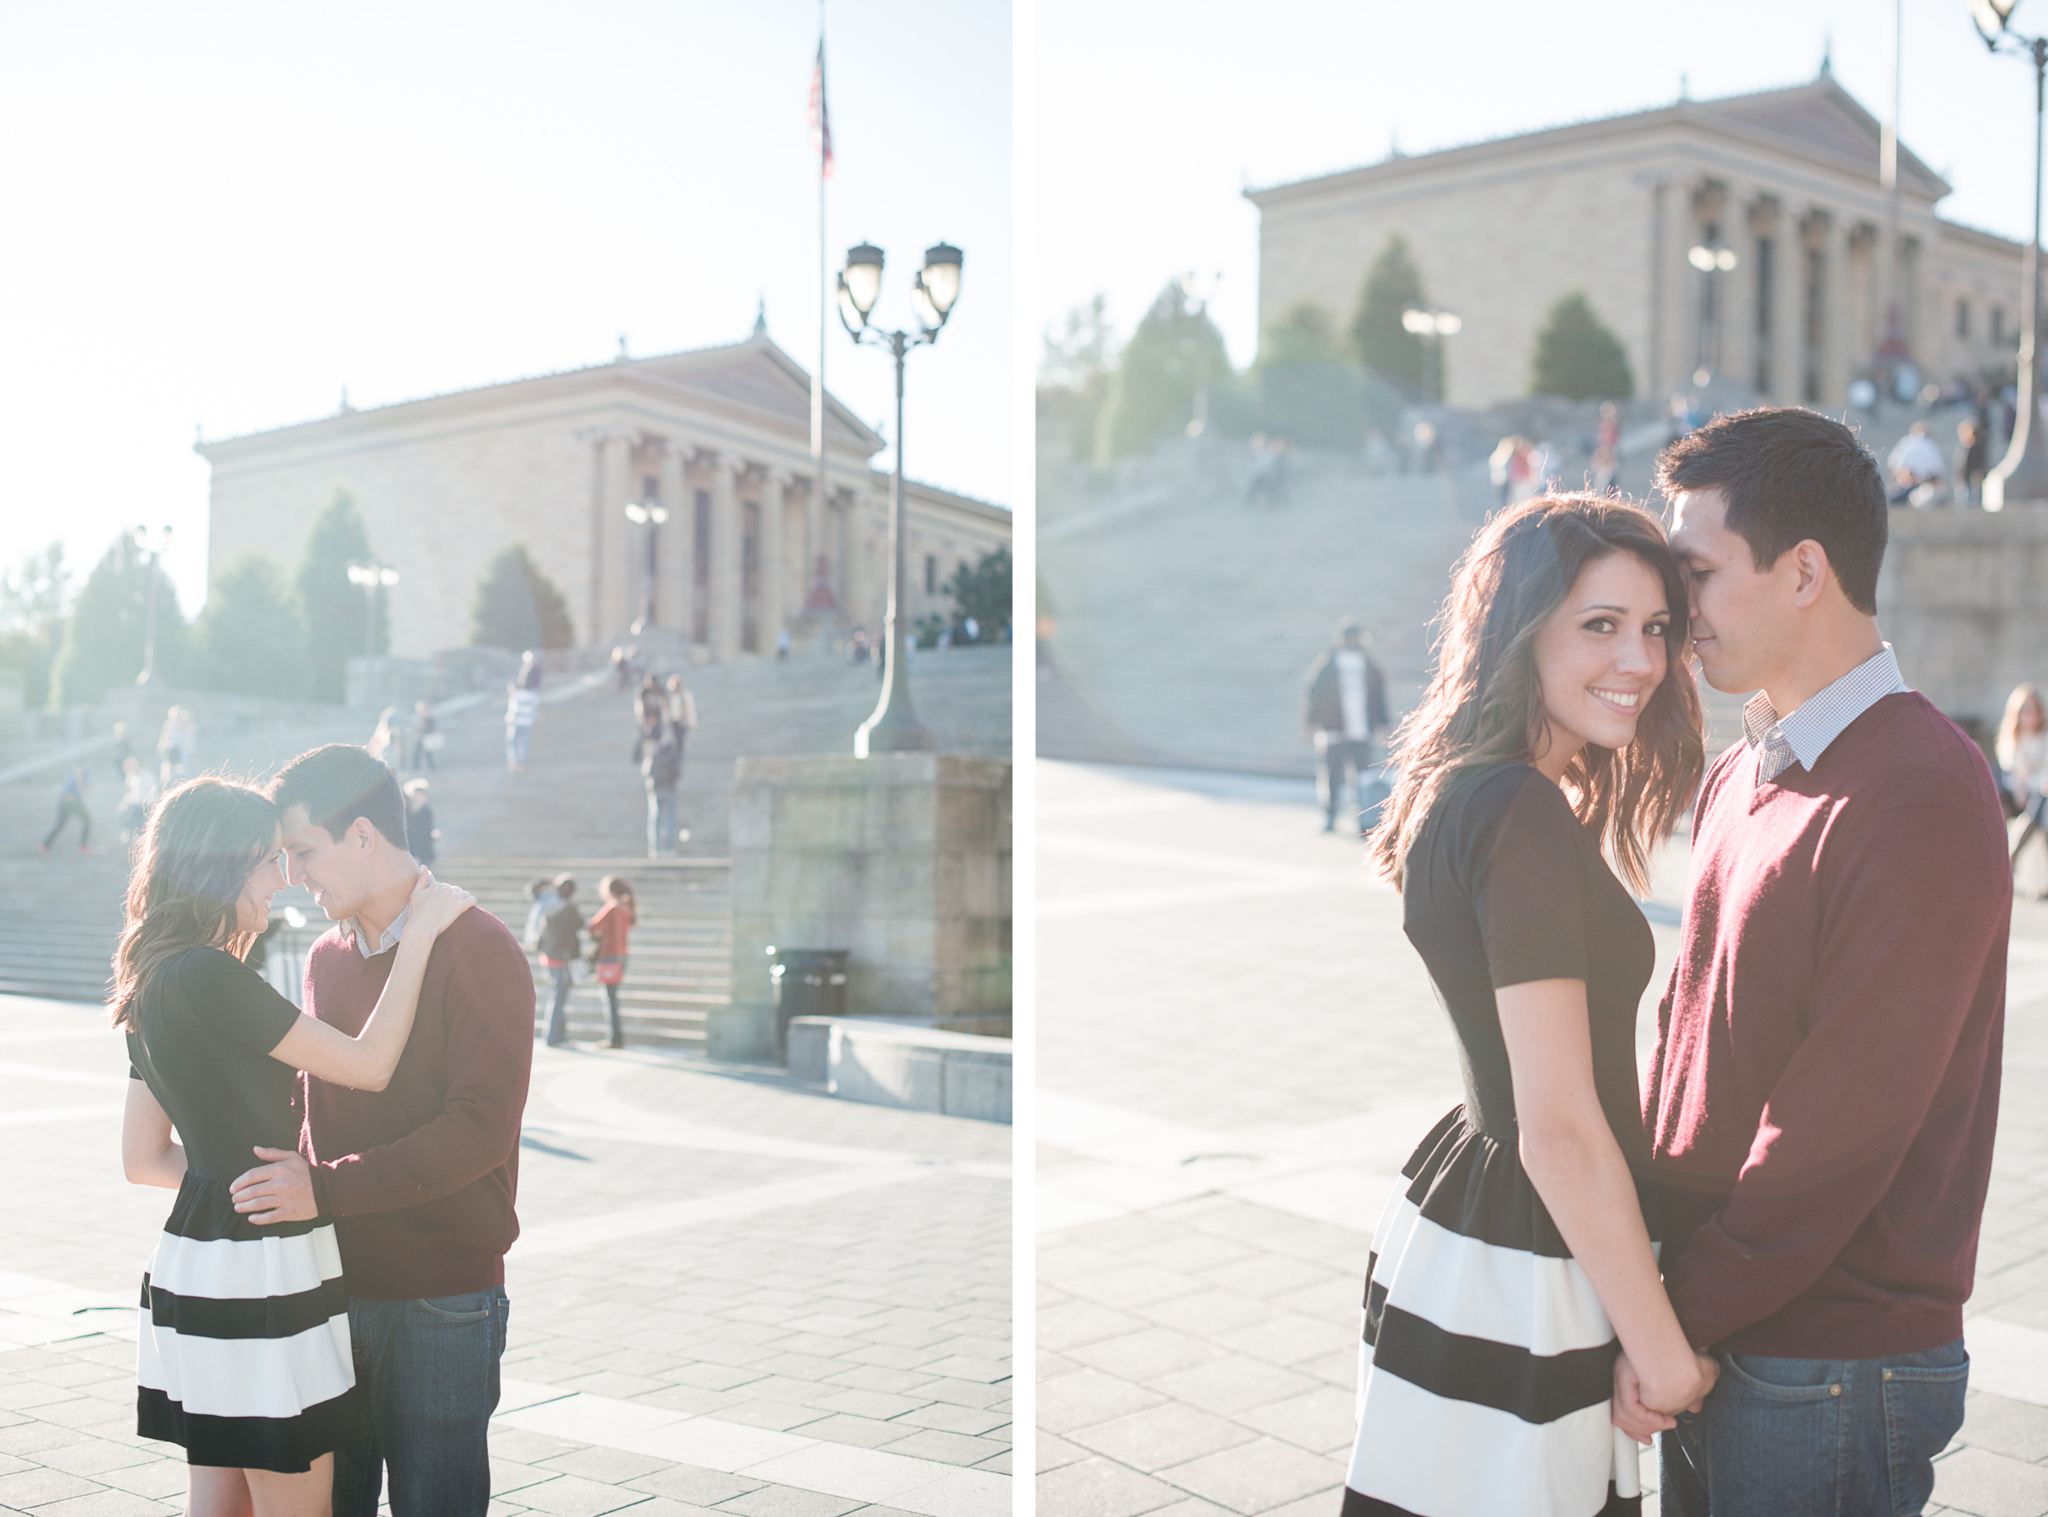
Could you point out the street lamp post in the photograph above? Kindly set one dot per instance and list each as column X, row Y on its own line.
column 2022, row 475
column 1432, row 327
column 1712, row 262
column 1199, row 288
column 371, row 574
column 152, row 544
column 650, row 514
column 894, row 727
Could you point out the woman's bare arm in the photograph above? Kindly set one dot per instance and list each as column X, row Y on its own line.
column 366, row 1062
column 1577, row 1168
column 148, row 1154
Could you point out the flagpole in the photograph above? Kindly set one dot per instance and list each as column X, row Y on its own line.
column 820, row 495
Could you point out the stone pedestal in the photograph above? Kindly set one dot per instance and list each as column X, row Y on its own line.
column 903, row 859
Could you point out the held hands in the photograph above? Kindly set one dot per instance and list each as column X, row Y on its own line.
column 435, row 906
column 1643, row 1409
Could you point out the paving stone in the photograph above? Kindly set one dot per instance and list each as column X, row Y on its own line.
column 1101, row 1488
column 2004, row 1426
column 1163, row 1435
column 1990, row 1485
column 687, row 1484
column 781, row 1501
column 1087, row 1397
column 1256, row 1476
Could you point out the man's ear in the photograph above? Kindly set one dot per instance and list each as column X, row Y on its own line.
column 1813, row 572
column 364, row 834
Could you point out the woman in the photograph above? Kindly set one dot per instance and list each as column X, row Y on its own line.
column 244, row 1353
column 559, row 942
column 1560, row 719
column 420, row 832
column 610, row 927
column 2022, row 749
column 522, row 707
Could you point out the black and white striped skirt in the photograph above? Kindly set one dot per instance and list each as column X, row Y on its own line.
column 1486, row 1362
column 244, row 1353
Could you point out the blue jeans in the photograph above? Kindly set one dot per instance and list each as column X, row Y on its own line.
column 661, row 823
column 518, row 744
column 1803, row 1437
column 428, row 1373
column 558, row 1014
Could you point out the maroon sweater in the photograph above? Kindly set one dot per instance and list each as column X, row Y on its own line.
column 1825, row 1089
column 421, row 1176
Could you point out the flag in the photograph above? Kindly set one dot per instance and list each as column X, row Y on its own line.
column 821, row 123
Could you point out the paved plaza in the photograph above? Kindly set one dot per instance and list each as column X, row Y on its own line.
column 731, row 1295
column 1237, row 1051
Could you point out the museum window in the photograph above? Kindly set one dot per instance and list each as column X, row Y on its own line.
column 931, row 574
column 1997, row 325
column 1962, row 318
column 700, row 567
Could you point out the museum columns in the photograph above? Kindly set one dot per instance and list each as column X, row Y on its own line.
column 771, row 606
column 678, row 542
column 725, row 565
column 615, row 547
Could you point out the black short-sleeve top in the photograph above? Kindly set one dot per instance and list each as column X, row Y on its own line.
column 205, row 1028
column 1504, row 886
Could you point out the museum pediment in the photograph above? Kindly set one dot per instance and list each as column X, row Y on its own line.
column 1824, row 119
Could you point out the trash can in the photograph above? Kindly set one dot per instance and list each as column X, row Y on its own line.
column 809, row 982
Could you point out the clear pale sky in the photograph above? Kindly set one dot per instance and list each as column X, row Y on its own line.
column 1152, row 119
column 220, row 212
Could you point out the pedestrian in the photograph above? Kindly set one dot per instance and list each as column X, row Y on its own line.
column 427, row 737
column 1972, row 458
column 420, row 832
column 1916, row 467
column 610, row 927
column 522, row 707
column 658, row 750
column 622, row 669
column 681, row 708
column 651, row 698
column 247, row 1356
column 138, row 795
column 972, row 628
column 1822, row 1172
column 71, row 803
column 387, row 742
column 860, row 645
column 2022, row 753
column 419, row 1173
column 1519, row 1246
column 1345, row 712
column 1258, row 485
column 559, row 948
column 782, row 646
column 177, row 746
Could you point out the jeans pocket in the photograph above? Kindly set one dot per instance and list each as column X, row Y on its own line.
column 1923, row 1410
column 1785, row 1379
column 473, row 1306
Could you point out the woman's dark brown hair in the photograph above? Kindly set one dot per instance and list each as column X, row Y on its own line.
column 204, row 840
column 1485, row 703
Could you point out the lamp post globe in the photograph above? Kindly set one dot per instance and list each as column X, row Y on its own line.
column 894, row 728
column 2021, row 477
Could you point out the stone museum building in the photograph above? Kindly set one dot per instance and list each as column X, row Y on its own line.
column 719, row 438
column 1780, row 195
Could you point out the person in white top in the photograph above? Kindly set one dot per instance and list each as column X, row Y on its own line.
column 2022, row 750
column 1914, row 460
column 1346, row 713
column 522, row 706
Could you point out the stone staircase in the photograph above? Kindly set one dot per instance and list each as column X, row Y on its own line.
column 580, row 808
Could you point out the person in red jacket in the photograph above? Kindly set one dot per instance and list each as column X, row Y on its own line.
column 611, row 927
column 1825, row 1089
column 420, row 1178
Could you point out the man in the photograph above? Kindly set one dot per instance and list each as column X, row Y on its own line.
column 420, row 1178
column 1969, row 461
column 659, row 752
column 1914, row 460
column 1825, row 1088
column 71, row 803
column 1346, row 713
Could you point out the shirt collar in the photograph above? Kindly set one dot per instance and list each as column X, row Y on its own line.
column 1816, row 724
column 391, row 934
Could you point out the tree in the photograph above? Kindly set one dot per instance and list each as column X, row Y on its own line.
column 104, row 637
column 1073, row 382
column 251, row 638
column 334, row 607
column 518, row 607
column 1577, row 357
column 33, row 602
column 1175, row 346
column 982, row 592
column 1305, row 335
column 1378, row 340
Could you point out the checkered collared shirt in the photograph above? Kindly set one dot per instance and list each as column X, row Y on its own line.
column 1803, row 737
column 391, row 934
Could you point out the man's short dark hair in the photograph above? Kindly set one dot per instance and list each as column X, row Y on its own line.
column 338, row 783
column 1789, row 474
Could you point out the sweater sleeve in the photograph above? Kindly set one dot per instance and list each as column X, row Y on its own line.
column 490, row 1059
column 1914, row 916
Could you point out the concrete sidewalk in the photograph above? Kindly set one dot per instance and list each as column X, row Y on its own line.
column 729, row 1296
column 1238, row 1049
